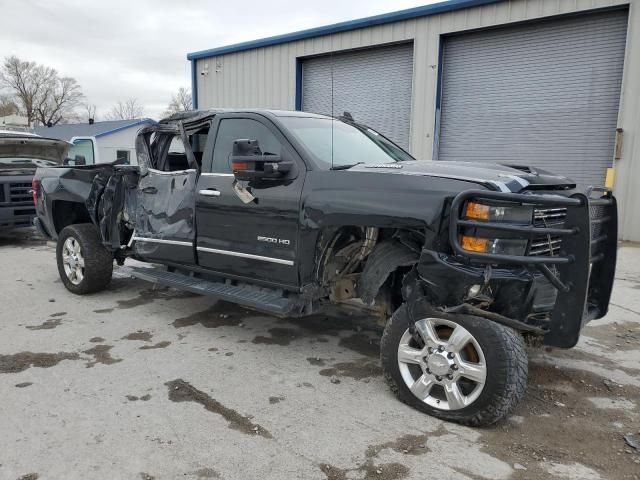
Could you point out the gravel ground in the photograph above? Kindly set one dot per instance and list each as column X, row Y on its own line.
column 144, row 383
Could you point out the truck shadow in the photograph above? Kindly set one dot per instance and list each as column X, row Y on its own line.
column 21, row 237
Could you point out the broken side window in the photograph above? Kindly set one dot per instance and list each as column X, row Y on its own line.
column 176, row 156
column 198, row 140
column 179, row 149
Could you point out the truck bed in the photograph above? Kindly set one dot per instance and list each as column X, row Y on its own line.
column 103, row 194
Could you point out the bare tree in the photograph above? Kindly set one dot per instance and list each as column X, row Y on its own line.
column 7, row 105
column 62, row 96
column 127, row 110
column 180, row 102
column 29, row 82
column 89, row 111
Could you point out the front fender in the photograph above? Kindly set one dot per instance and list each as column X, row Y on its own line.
column 334, row 199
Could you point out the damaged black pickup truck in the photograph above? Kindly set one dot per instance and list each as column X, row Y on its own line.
column 292, row 213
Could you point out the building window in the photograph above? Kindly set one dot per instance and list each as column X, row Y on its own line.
column 122, row 157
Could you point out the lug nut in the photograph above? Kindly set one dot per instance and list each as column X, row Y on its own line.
column 440, row 348
column 450, row 355
column 449, row 376
column 429, row 370
column 430, row 350
column 438, row 378
column 454, row 367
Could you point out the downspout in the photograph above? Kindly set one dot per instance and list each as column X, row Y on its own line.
column 194, row 84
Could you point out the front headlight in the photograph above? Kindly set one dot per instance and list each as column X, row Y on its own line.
column 520, row 214
column 497, row 246
column 471, row 241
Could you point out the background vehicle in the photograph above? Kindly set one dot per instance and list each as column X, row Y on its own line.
column 288, row 213
column 20, row 154
column 99, row 142
column 85, row 148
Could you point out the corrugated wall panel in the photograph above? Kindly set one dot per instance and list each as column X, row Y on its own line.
column 425, row 35
column 374, row 85
column 544, row 94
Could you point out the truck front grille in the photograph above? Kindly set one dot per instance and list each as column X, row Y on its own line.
column 19, row 192
column 547, row 245
column 548, row 217
column 596, row 212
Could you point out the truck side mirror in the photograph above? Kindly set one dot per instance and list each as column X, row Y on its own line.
column 249, row 163
column 76, row 161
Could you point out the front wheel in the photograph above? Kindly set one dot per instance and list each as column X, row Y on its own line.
column 84, row 264
column 459, row 368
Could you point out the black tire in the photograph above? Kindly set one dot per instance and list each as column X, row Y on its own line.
column 98, row 261
column 504, row 356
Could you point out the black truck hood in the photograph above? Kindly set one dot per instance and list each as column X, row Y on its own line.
column 492, row 175
column 29, row 146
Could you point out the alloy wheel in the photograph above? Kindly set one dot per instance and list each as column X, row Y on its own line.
column 73, row 260
column 442, row 363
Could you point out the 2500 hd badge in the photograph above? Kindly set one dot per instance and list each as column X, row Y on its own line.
column 278, row 241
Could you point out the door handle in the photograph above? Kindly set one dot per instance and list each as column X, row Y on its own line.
column 209, row 192
column 150, row 190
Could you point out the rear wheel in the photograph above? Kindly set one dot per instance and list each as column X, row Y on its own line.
column 460, row 368
column 84, row 264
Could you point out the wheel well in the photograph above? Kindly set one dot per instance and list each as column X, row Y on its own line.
column 335, row 243
column 379, row 253
column 67, row 213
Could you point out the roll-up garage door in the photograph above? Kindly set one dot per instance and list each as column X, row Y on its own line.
column 373, row 85
column 543, row 94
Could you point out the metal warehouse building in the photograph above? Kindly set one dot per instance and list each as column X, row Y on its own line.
column 548, row 83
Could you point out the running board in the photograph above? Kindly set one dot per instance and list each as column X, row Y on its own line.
column 257, row 299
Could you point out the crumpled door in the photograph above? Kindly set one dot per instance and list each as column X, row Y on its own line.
column 165, row 216
column 165, row 219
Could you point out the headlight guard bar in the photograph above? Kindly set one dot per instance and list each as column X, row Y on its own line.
column 525, row 231
column 584, row 271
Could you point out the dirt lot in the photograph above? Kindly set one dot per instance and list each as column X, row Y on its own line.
column 151, row 383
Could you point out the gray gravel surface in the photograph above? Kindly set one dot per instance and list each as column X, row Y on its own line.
column 141, row 382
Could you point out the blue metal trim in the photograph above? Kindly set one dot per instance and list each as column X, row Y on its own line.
column 194, row 85
column 435, row 151
column 124, row 127
column 407, row 14
column 298, row 84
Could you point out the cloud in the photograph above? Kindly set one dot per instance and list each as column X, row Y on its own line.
column 118, row 49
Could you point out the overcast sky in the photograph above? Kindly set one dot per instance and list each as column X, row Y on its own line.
column 137, row 48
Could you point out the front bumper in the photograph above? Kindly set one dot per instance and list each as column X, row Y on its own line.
column 16, row 216
column 558, row 293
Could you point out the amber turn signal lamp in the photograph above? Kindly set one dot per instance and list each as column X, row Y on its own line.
column 473, row 244
column 236, row 166
column 477, row 211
